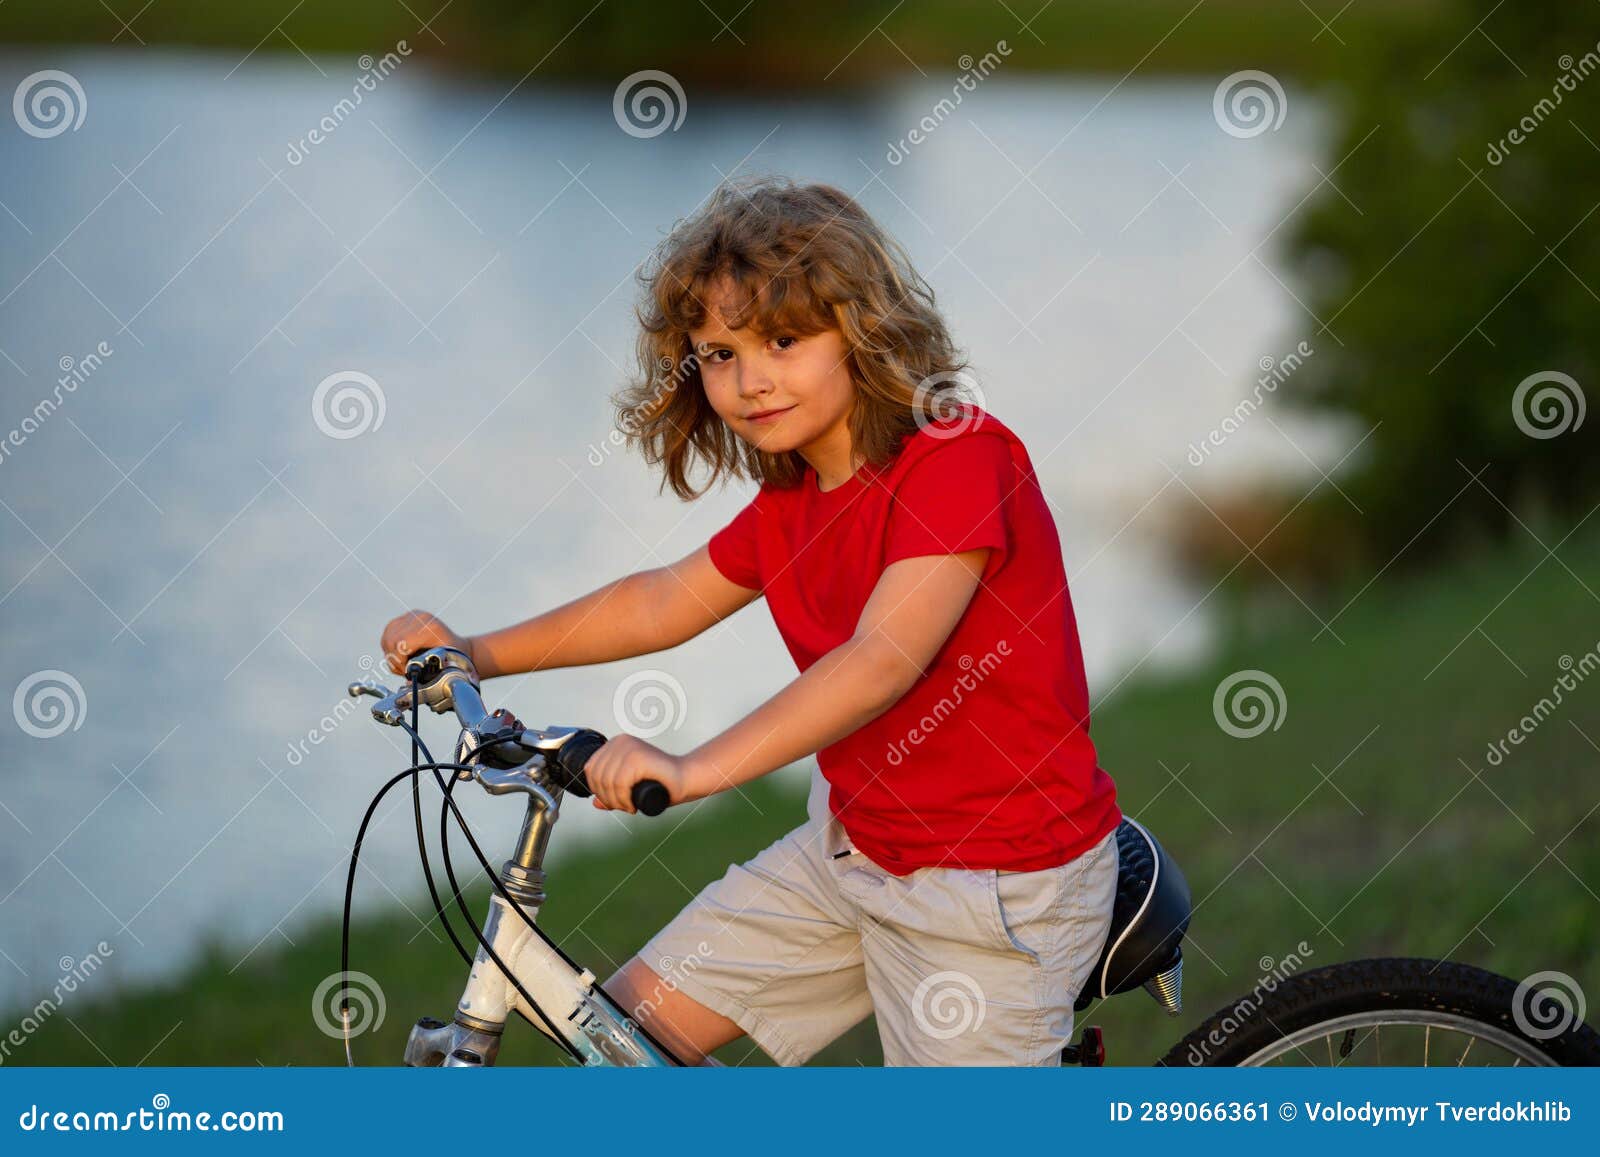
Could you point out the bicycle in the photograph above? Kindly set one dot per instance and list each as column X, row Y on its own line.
column 518, row 970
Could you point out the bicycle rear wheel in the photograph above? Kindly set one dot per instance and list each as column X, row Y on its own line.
column 1395, row 1011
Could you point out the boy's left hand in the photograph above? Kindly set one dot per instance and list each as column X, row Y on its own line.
column 622, row 762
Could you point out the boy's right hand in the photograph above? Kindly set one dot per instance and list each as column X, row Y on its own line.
column 415, row 631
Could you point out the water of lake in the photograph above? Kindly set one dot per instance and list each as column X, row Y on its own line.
column 188, row 545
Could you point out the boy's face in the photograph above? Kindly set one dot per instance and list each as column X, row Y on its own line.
column 780, row 392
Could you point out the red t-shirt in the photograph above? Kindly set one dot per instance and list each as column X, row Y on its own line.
column 986, row 761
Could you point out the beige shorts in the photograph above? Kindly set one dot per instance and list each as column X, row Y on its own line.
column 961, row 966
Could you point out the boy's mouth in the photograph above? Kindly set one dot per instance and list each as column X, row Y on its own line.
column 767, row 415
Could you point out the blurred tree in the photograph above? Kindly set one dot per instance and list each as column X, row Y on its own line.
column 760, row 45
column 1452, row 254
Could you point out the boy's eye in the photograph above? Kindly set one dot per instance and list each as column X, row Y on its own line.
column 783, row 342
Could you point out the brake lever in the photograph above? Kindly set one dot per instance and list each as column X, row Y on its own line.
column 438, row 672
column 392, row 704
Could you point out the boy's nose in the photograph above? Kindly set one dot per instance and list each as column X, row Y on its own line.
column 754, row 384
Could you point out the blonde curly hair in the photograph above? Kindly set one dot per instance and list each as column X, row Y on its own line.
column 801, row 259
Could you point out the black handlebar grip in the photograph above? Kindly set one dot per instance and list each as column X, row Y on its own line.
column 650, row 796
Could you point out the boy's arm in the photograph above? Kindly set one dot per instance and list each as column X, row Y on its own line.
column 637, row 614
column 916, row 604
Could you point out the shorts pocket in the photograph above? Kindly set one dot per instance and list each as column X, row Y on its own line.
column 1026, row 907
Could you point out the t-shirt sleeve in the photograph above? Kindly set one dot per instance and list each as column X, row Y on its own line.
column 954, row 500
column 733, row 548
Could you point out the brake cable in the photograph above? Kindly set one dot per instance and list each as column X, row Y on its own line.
column 349, row 893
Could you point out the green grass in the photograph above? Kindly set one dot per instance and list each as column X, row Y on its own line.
column 1435, row 862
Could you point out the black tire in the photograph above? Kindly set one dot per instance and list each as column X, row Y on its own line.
column 1233, row 1035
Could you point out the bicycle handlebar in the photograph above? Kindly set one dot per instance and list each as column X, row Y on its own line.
column 447, row 681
